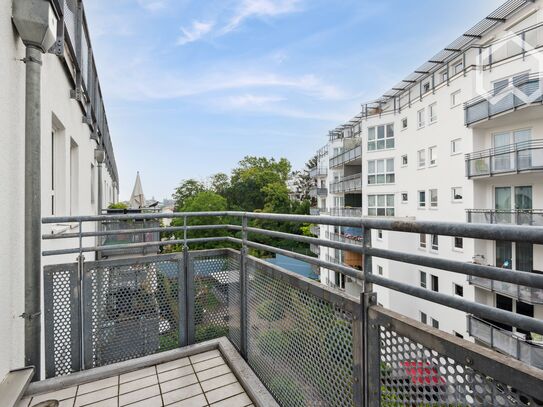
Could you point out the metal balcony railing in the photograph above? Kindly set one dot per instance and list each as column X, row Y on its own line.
column 307, row 343
column 315, row 249
column 317, row 211
column 532, row 217
column 346, row 157
column 518, row 157
column 506, row 342
column 523, row 92
column 344, row 238
column 316, row 191
column 349, row 212
column 352, row 183
column 317, row 172
column 149, row 232
column 315, row 230
column 526, row 294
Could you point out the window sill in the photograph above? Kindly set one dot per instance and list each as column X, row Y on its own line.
column 457, row 201
column 421, row 168
column 453, row 154
column 434, row 122
column 455, row 249
column 421, row 127
column 432, row 165
column 421, row 208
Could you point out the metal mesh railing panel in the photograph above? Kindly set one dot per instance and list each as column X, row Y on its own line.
column 70, row 9
column 413, row 374
column 299, row 345
column 132, row 310
column 216, row 297
column 62, row 317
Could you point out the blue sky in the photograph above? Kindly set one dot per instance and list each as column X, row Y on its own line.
column 193, row 86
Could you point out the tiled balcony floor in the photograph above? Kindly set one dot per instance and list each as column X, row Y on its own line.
column 200, row 380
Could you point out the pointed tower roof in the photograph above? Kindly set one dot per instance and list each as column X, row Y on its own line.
column 137, row 200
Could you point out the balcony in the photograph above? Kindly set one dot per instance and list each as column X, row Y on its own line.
column 345, row 238
column 315, row 192
column 526, row 294
column 318, row 172
column 351, row 183
column 316, row 211
column 347, row 212
column 315, row 249
column 346, row 157
column 506, row 342
column 526, row 91
column 513, row 158
column 533, row 217
column 315, row 230
column 297, row 340
column 120, row 233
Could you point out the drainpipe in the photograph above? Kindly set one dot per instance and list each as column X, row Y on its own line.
column 99, row 156
column 36, row 25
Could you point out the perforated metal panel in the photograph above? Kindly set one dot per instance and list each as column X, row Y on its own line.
column 299, row 345
column 62, row 318
column 216, row 295
column 131, row 308
column 412, row 374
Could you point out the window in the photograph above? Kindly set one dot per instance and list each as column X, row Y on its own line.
column 74, row 177
column 422, row 241
column 455, row 98
column 435, row 283
column 422, row 199
column 381, row 171
column 404, row 123
column 92, row 184
column 444, row 75
column 435, row 323
column 380, row 270
column 339, row 280
column 405, row 197
column 381, row 205
column 422, row 277
column 380, row 234
column 433, row 198
column 432, row 155
column 381, row 137
column 420, row 118
column 426, row 87
column 458, row 335
column 458, row 243
column 435, row 242
column 432, row 113
column 458, row 67
column 423, row 317
column 457, row 194
column 421, row 158
column 404, row 160
column 458, row 290
column 456, row 146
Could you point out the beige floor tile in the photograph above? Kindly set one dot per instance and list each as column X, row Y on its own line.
column 172, row 365
column 204, row 356
column 24, row 402
column 56, row 395
column 175, row 373
column 151, row 402
column 137, row 374
column 241, row 400
column 178, row 383
column 224, row 392
column 97, row 385
column 114, row 402
column 197, row 401
column 214, row 372
column 138, row 384
column 138, row 395
column 181, row 394
column 96, row 396
column 219, row 381
column 208, row 364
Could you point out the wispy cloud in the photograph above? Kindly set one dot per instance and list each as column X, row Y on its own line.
column 153, row 5
column 196, row 31
column 260, row 8
column 251, row 100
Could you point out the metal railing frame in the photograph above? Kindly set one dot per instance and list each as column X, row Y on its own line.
column 519, row 216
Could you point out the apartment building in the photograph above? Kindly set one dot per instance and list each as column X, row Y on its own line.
column 51, row 100
column 459, row 139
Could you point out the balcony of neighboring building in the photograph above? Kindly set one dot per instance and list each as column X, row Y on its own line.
column 346, row 211
column 529, row 295
column 348, row 184
column 507, row 96
column 345, row 237
column 522, row 156
column 532, row 217
column 318, row 172
column 318, row 191
column 514, row 344
column 351, row 155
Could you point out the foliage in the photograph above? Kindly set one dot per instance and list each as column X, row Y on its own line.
column 269, row 311
column 206, row 332
column 274, row 342
column 188, row 188
column 118, row 205
column 219, row 183
column 285, row 388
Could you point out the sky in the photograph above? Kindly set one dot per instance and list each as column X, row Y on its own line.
column 193, row 86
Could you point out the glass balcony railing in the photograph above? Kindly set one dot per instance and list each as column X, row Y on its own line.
column 344, row 238
column 526, row 294
column 316, row 191
column 506, row 342
column 346, row 157
column 518, row 157
column 532, row 217
column 348, row 212
column 352, row 183
column 317, row 172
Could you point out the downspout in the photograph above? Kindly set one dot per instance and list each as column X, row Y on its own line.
column 99, row 156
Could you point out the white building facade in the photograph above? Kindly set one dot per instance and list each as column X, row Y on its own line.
column 78, row 170
column 459, row 140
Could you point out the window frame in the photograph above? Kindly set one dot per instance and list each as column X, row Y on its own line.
column 434, row 283
column 433, row 204
column 423, row 279
column 455, row 247
column 406, row 160
column 421, row 203
column 423, row 317
column 423, row 241
column 421, row 114
column 434, row 246
column 454, row 96
column 432, row 151
column 388, row 139
column 421, row 163
column 432, row 113
column 389, row 211
column 453, row 194
column 385, row 174
column 453, row 144
column 404, row 123
column 406, row 200
column 455, row 291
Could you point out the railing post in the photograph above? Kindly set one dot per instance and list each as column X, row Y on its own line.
column 188, row 270
column 80, row 279
column 243, row 287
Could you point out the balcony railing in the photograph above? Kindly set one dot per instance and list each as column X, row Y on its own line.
column 518, row 157
column 525, row 91
column 344, row 238
column 349, row 212
column 506, row 342
column 526, row 294
column 532, row 217
column 315, row 192
column 307, row 343
column 316, row 172
column 317, row 211
column 315, row 249
column 346, row 157
column 315, row 230
column 352, row 183
column 118, row 233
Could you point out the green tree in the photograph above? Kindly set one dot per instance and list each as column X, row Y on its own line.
column 187, row 189
column 219, row 183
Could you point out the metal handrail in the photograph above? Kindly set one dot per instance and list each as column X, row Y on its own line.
column 346, row 156
column 510, row 148
column 512, row 233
